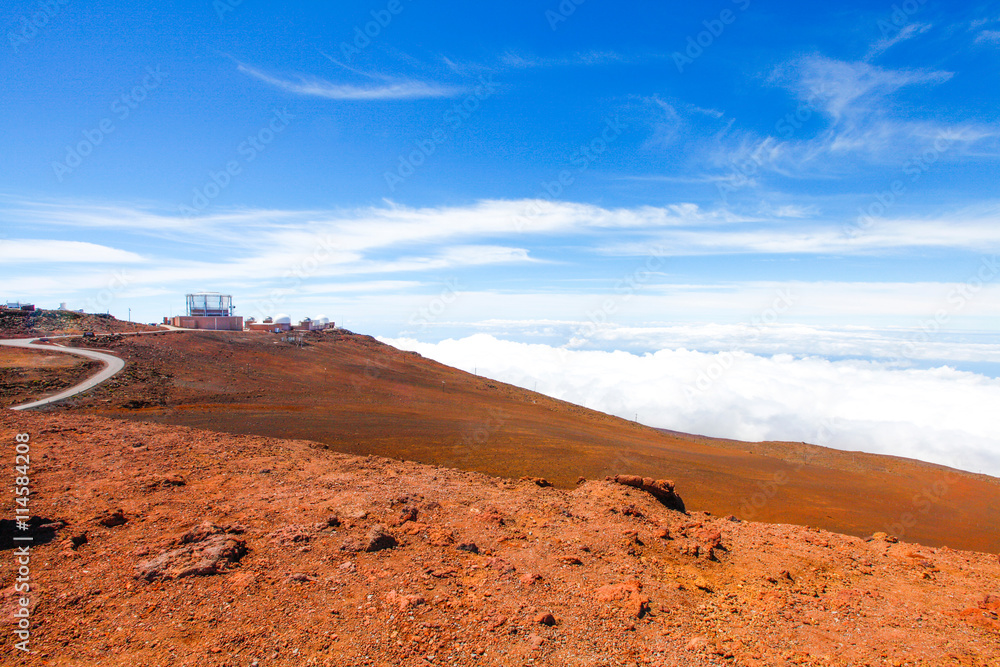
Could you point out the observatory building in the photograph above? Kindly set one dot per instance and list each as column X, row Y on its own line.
column 209, row 310
column 280, row 323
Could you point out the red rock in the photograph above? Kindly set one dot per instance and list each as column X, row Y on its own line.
column 616, row 592
column 209, row 555
column 113, row 518
column 500, row 565
column 629, row 594
column 530, row 579
column 468, row 546
column 710, row 538
column 440, row 537
column 410, row 601
column 292, row 535
column 991, row 603
column 379, row 539
column 545, row 619
column 408, row 514
column 661, row 489
column 696, row 644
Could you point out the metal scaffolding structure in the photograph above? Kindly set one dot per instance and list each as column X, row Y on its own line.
column 209, row 304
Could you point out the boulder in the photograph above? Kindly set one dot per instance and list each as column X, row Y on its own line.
column 379, row 539
column 204, row 550
column 661, row 489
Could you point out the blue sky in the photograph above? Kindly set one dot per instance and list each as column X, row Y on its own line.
column 591, row 175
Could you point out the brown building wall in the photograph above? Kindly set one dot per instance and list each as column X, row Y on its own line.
column 209, row 323
column 270, row 326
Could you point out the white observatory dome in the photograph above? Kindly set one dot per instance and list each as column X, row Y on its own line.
column 282, row 319
column 321, row 319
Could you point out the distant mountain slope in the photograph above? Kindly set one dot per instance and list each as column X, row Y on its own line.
column 359, row 396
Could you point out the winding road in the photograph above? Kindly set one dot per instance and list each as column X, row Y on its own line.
column 112, row 366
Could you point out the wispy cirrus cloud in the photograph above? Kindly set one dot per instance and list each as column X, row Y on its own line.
column 988, row 37
column 849, row 115
column 907, row 32
column 476, row 232
column 384, row 89
column 512, row 59
column 846, row 90
column 48, row 251
column 969, row 231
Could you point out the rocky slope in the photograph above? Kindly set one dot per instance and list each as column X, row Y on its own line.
column 166, row 545
column 23, row 324
column 359, row 396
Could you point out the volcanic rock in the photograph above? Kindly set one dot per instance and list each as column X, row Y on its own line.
column 661, row 489
column 204, row 551
column 112, row 518
column 379, row 539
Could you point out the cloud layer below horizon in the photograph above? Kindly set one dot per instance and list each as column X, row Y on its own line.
column 940, row 415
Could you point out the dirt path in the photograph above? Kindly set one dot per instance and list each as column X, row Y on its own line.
column 112, row 365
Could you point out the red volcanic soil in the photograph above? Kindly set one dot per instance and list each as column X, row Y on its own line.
column 164, row 545
column 355, row 395
column 24, row 324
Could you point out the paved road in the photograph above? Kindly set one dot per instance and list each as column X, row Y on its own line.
column 112, row 363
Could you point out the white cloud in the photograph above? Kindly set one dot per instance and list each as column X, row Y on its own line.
column 850, row 89
column 22, row 251
column 848, row 115
column 940, row 415
column 280, row 248
column 403, row 89
column 988, row 37
column 908, row 31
